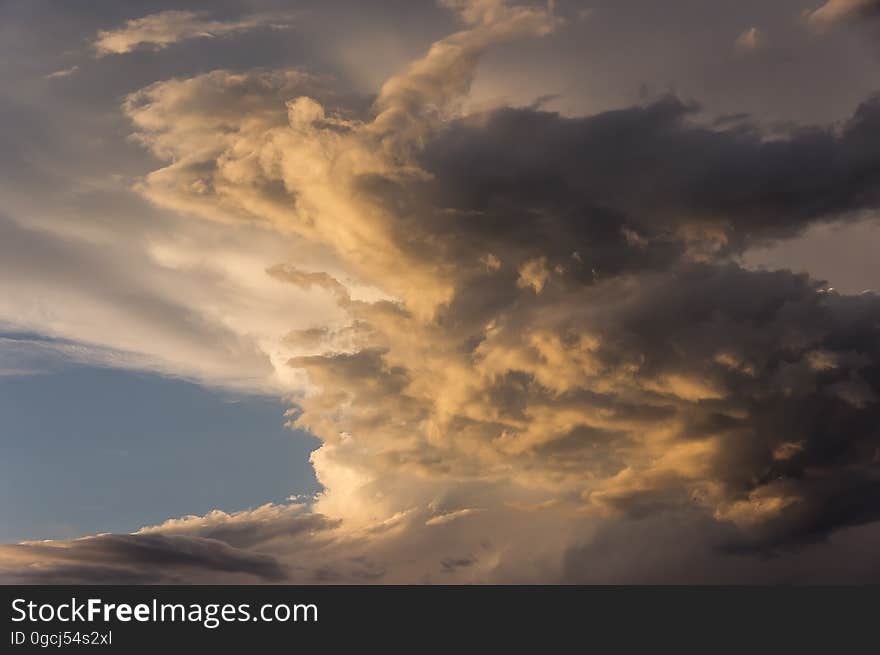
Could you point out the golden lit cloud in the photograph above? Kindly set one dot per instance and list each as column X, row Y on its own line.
column 158, row 31
column 493, row 315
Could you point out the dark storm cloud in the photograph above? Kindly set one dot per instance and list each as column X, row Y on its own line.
column 868, row 9
column 636, row 188
column 270, row 543
column 798, row 378
column 138, row 558
column 686, row 548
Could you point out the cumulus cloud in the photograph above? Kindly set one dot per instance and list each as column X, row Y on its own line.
column 563, row 356
column 158, row 31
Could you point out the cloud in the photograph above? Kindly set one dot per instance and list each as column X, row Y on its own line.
column 725, row 191
column 635, row 376
column 611, row 358
column 440, row 519
column 750, row 40
column 835, row 11
column 609, row 376
column 158, row 31
column 279, row 543
column 65, row 72
column 688, row 549
column 135, row 559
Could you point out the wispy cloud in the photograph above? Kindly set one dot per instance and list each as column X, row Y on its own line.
column 158, row 31
column 751, row 40
column 65, row 72
column 835, row 11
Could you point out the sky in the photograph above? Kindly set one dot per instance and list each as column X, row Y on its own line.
column 120, row 449
column 469, row 291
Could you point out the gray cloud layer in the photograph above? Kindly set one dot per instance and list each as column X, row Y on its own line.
column 133, row 559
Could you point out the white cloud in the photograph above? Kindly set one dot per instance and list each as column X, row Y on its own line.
column 160, row 303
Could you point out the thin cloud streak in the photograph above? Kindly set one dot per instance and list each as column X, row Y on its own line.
column 161, row 30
